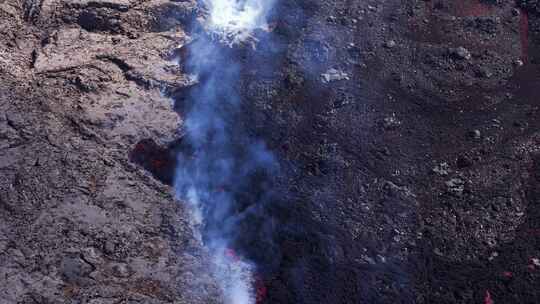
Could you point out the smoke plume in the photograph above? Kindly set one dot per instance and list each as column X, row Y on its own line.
column 222, row 160
column 235, row 20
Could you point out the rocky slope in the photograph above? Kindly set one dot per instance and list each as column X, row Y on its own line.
column 81, row 84
column 407, row 133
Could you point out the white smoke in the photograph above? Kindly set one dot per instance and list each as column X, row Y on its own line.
column 236, row 277
column 210, row 180
column 234, row 274
column 235, row 20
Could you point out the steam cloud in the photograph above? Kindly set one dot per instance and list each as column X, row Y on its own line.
column 223, row 159
column 235, row 20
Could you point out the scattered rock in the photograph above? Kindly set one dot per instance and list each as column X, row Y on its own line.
column 493, row 255
column 92, row 255
column 455, row 185
column 391, row 122
column 334, row 75
column 121, row 270
column 367, row 260
column 109, row 247
column 381, row 258
column 484, row 72
column 390, row 44
column 74, row 269
column 475, row 134
column 442, row 169
column 460, row 53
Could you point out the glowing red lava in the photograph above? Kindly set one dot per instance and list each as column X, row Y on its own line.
column 140, row 147
column 158, row 163
column 230, row 253
column 487, row 298
column 260, row 288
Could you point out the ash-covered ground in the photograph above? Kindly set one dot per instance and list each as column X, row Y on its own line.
column 407, row 134
column 410, row 132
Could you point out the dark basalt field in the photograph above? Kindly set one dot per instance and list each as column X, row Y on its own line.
column 407, row 134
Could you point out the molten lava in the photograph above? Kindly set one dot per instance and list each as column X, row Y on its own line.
column 487, row 298
column 258, row 282
column 230, row 253
column 260, row 290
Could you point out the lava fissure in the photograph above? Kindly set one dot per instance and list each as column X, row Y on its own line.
column 225, row 166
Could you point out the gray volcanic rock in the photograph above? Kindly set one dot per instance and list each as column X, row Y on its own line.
column 79, row 223
column 365, row 216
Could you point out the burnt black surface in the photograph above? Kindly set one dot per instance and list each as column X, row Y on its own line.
column 366, row 215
